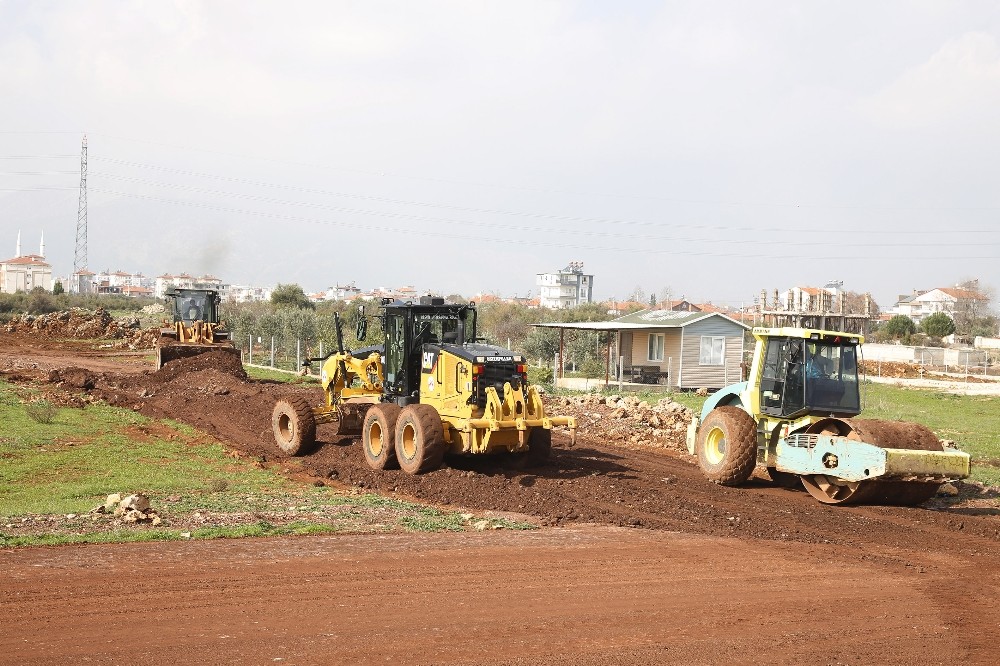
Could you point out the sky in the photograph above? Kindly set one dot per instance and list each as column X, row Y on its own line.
column 702, row 149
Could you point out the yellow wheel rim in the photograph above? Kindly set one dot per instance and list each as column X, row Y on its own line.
column 715, row 446
column 408, row 445
column 375, row 440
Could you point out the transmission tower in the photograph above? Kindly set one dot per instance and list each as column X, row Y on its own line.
column 80, row 256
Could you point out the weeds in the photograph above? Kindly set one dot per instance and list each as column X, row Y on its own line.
column 41, row 411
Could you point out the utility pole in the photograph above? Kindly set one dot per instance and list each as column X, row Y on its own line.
column 80, row 256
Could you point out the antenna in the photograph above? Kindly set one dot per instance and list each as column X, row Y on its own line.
column 80, row 256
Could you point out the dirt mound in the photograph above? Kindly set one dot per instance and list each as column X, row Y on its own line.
column 220, row 361
column 88, row 324
column 627, row 421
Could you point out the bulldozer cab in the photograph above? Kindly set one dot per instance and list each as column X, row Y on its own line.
column 814, row 375
column 408, row 327
column 191, row 305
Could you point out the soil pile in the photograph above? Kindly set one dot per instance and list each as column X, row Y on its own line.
column 88, row 324
column 627, row 421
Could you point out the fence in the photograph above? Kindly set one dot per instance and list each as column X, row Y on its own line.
column 279, row 353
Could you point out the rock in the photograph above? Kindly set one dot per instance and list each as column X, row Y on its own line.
column 702, row 392
column 481, row 525
column 948, row 490
column 137, row 502
column 156, row 521
column 112, row 501
column 185, row 535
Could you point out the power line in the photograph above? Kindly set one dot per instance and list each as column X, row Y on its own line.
column 511, row 240
column 547, row 217
column 679, row 200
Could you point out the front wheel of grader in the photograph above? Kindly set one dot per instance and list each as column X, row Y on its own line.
column 294, row 426
column 727, row 446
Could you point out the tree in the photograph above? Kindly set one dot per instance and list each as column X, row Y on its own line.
column 57, row 288
column 291, row 296
column 899, row 326
column 938, row 325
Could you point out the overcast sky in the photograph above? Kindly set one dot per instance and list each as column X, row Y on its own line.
column 712, row 148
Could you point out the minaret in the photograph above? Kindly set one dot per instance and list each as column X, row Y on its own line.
column 18, row 244
column 41, row 246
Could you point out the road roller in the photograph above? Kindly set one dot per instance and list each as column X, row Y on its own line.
column 797, row 414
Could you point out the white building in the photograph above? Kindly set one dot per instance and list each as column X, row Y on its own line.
column 566, row 288
column 949, row 300
column 185, row 281
column 25, row 272
column 241, row 293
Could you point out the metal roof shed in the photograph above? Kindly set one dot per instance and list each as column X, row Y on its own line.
column 685, row 350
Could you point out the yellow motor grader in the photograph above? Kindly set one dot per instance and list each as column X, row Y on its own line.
column 193, row 327
column 431, row 388
column 795, row 415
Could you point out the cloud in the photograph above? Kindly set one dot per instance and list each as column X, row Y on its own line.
column 960, row 82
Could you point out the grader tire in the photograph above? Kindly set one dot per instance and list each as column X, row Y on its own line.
column 727, row 446
column 378, row 436
column 539, row 447
column 419, row 439
column 294, row 426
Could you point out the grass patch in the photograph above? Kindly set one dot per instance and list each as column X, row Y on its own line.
column 973, row 422
column 277, row 376
column 53, row 475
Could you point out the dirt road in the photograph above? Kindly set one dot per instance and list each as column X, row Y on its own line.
column 716, row 575
column 565, row 596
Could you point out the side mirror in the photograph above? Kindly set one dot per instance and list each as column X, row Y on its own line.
column 362, row 329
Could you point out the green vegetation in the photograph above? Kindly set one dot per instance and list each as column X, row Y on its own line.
column 53, row 475
column 938, row 325
column 40, row 301
column 973, row 422
column 278, row 375
column 899, row 327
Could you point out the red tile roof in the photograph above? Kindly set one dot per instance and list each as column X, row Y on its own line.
column 34, row 259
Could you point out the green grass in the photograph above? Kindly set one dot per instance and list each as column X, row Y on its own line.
column 277, row 376
column 973, row 422
column 50, row 472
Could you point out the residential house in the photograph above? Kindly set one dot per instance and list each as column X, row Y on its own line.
column 684, row 350
column 949, row 300
column 566, row 288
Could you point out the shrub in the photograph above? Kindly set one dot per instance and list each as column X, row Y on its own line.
column 938, row 325
column 541, row 375
column 898, row 327
column 41, row 411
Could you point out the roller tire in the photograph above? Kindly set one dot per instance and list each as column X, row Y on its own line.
column 420, row 441
column 294, row 426
column 380, row 450
column 727, row 446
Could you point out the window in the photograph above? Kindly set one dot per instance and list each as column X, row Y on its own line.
column 713, row 350
column 655, row 347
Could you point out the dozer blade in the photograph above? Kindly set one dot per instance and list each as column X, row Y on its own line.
column 172, row 352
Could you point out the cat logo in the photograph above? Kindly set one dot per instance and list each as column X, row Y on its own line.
column 428, row 361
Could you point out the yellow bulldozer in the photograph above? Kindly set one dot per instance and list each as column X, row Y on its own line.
column 796, row 415
column 432, row 387
column 193, row 326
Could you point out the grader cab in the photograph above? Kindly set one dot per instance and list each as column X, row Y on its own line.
column 432, row 387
